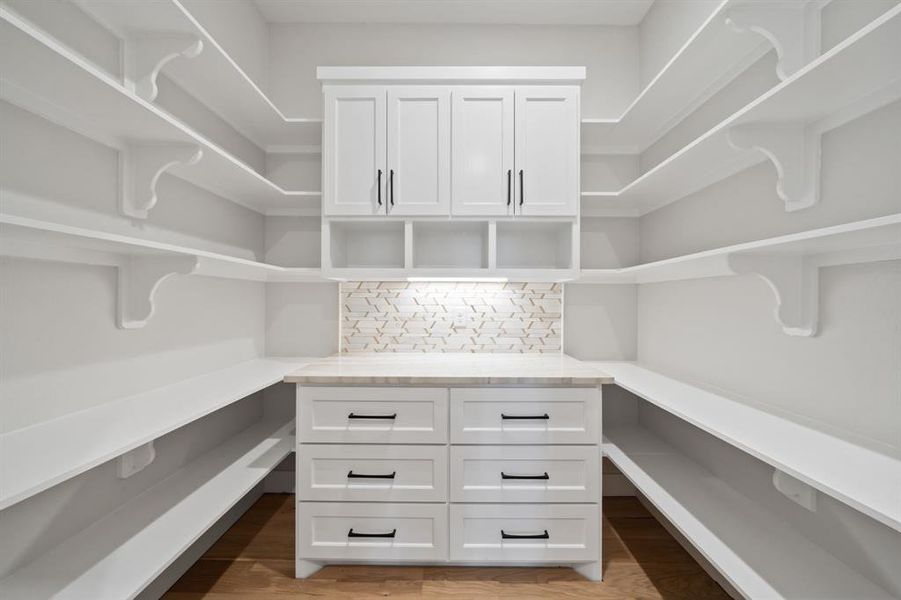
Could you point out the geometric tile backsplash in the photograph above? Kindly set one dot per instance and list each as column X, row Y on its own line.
column 397, row 316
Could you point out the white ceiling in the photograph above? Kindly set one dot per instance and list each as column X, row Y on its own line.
column 518, row 12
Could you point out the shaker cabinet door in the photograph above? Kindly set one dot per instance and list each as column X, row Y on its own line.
column 482, row 180
column 354, row 151
column 418, row 180
column 547, row 151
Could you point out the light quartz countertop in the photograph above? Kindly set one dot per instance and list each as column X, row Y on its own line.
column 449, row 369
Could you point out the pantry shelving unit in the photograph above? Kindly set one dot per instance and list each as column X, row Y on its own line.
column 212, row 76
column 863, row 478
column 85, row 439
column 784, row 126
column 47, row 78
column 759, row 554
column 122, row 553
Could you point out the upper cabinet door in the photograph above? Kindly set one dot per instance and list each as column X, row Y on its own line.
column 418, row 150
column 547, row 151
column 354, row 167
column 482, row 179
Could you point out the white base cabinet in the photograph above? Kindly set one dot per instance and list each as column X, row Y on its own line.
column 464, row 475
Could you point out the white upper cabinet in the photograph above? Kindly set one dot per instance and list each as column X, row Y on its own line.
column 418, row 162
column 547, row 151
column 353, row 151
column 483, row 147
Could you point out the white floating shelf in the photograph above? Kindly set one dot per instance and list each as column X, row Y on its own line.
column 73, row 444
column 864, row 479
column 758, row 553
column 783, row 125
column 119, row 555
column 47, row 78
column 709, row 59
column 213, row 76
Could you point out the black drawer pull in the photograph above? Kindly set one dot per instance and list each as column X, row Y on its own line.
column 353, row 416
column 354, row 534
column 508, row 476
column 352, row 475
column 545, row 416
column 525, row 536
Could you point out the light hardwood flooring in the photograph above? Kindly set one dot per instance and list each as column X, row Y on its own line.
column 255, row 560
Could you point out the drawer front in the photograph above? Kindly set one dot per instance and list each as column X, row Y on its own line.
column 525, row 415
column 381, row 415
column 524, row 533
column 347, row 532
column 364, row 473
column 524, row 473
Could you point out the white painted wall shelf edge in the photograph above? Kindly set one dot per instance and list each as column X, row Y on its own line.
column 784, row 126
column 212, row 76
column 451, row 75
column 863, row 478
column 119, row 555
column 713, row 56
column 745, row 542
column 45, row 77
column 74, row 443
column 789, row 264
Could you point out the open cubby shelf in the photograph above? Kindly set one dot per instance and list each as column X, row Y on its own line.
column 45, row 77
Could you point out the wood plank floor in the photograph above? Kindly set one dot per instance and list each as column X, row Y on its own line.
column 255, row 559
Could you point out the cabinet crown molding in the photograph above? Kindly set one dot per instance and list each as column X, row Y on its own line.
column 558, row 75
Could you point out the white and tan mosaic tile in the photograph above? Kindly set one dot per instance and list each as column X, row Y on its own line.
column 396, row 316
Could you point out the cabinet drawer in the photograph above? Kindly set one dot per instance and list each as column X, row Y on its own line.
column 497, row 533
column 372, row 473
column 524, row 473
column 393, row 415
column 525, row 415
column 347, row 531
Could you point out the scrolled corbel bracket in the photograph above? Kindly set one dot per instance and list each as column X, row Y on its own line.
column 147, row 54
column 794, row 280
column 792, row 27
column 139, row 279
column 794, row 151
column 135, row 461
column 141, row 167
column 795, row 490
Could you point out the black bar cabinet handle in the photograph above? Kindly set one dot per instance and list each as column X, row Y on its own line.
column 522, row 192
column 508, row 476
column 354, row 534
column 355, row 416
column 391, row 185
column 352, row 475
column 379, row 186
column 509, row 186
column 525, row 536
column 545, row 416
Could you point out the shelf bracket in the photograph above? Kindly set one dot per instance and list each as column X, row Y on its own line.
column 141, row 167
column 139, row 279
column 792, row 27
column 795, row 490
column 135, row 461
column 794, row 281
column 795, row 152
column 146, row 55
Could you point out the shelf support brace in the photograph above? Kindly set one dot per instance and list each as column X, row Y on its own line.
column 795, row 283
column 792, row 27
column 146, row 55
column 141, row 167
column 795, row 490
column 795, row 152
column 135, row 461
column 139, row 280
